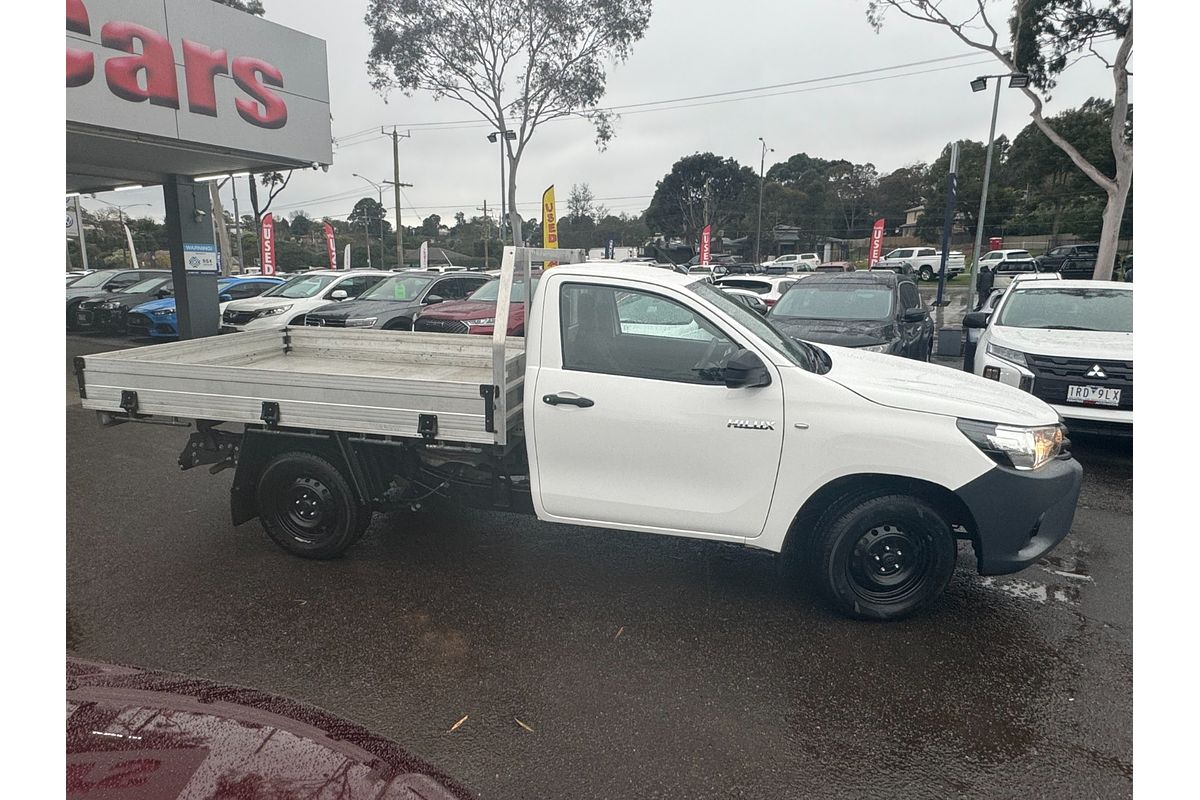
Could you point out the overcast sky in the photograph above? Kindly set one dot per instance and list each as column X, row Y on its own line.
column 692, row 47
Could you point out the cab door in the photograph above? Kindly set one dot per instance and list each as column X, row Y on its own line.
column 633, row 428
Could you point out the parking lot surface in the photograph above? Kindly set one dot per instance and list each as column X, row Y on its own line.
column 637, row 666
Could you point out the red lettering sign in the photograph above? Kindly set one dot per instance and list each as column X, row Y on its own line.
column 876, row 243
column 148, row 72
column 330, row 246
column 267, row 244
column 706, row 245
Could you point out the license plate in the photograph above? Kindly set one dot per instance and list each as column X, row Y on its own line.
column 83, row 316
column 1093, row 395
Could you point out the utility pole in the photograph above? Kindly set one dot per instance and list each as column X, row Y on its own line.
column 762, row 183
column 947, row 224
column 82, row 236
column 487, row 234
column 396, row 184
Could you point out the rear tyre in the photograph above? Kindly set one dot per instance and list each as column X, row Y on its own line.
column 883, row 557
column 926, row 273
column 308, row 508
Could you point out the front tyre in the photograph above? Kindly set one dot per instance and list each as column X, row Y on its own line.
column 926, row 273
column 882, row 558
column 308, row 508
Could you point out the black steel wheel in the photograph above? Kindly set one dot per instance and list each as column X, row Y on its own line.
column 308, row 508
column 882, row 557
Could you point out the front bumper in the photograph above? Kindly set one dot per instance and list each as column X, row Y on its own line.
column 96, row 318
column 1020, row 515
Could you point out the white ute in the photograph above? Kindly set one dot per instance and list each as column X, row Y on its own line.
column 635, row 390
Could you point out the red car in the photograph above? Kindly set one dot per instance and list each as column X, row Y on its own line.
column 476, row 314
column 134, row 734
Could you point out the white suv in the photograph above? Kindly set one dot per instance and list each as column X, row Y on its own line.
column 801, row 262
column 1069, row 343
column 288, row 303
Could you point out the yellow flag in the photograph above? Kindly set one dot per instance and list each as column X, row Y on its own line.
column 549, row 224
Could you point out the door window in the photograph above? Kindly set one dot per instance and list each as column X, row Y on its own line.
column 355, row 286
column 928, row 251
column 640, row 335
column 909, row 296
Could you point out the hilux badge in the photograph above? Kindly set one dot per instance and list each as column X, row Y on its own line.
column 751, row 424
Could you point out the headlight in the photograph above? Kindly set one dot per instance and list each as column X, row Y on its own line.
column 364, row 322
column 111, row 305
column 1006, row 353
column 270, row 312
column 166, row 312
column 886, row 347
column 1015, row 446
column 480, row 321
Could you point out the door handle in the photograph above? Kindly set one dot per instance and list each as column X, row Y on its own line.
column 559, row 400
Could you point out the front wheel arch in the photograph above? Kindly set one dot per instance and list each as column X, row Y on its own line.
column 796, row 544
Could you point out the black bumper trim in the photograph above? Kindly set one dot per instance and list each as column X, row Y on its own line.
column 1020, row 515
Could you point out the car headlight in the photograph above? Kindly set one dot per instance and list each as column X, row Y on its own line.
column 166, row 312
column 1022, row 448
column 363, row 322
column 886, row 347
column 480, row 321
column 1006, row 353
column 111, row 305
column 270, row 312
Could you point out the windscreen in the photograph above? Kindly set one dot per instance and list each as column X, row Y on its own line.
column 148, row 285
column 93, row 280
column 301, row 286
column 490, row 291
column 835, row 301
column 1072, row 309
column 757, row 324
column 401, row 287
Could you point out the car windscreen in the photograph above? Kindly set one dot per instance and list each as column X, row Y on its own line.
column 148, row 285
column 93, row 280
column 803, row 356
column 849, row 300
column 1068, row 308
column 301, row 286
column 401, row 287
column 490, row 291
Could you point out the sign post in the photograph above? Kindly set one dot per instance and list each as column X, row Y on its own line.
column 948, row 222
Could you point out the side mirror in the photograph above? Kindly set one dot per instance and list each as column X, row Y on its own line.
column 338, row 294
column 434, row 298
column 976, row 319
column 915, row 315
column 745, row 370
column 224, row 298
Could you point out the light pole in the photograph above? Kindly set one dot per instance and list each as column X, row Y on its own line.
column 494, row 137
column 1016, row 80
column 121, row 216
column 762, row 182
column 380, row 189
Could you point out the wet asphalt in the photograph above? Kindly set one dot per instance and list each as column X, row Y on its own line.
column 646, row 667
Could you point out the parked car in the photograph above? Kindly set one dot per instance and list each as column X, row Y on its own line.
column 837, row 266
column 768, row 287
column 392, row 304
column 1077, row 254
column 1010, row 269
column 994, row 258
column 107, row 311
column 1069, row 343
column 925, row 261
column 287, row 303
column 794, row 260
column 799, row 269
column 158, row 319
column 146, row 733
column 76, row 275
column 877, row 311
column 895, row 267
column 100, row 282
column 989, row 305
column 477, row 314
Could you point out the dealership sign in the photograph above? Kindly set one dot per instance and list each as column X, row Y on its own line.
column 197, row 72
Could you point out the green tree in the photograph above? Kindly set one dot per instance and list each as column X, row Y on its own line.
column 971, row 156
column 898, row 191
column 701, row 189
column 302, row 224
column 516, row 63
column 1046, row 37
column 430, row 225
column 581, row 203
column 369, row 215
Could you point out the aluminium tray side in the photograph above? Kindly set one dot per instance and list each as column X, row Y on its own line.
column 357, row 381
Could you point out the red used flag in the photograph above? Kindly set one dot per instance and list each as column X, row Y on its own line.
column 330, row 246
column 706, row 245
column 266, row 239
column 876, row 243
